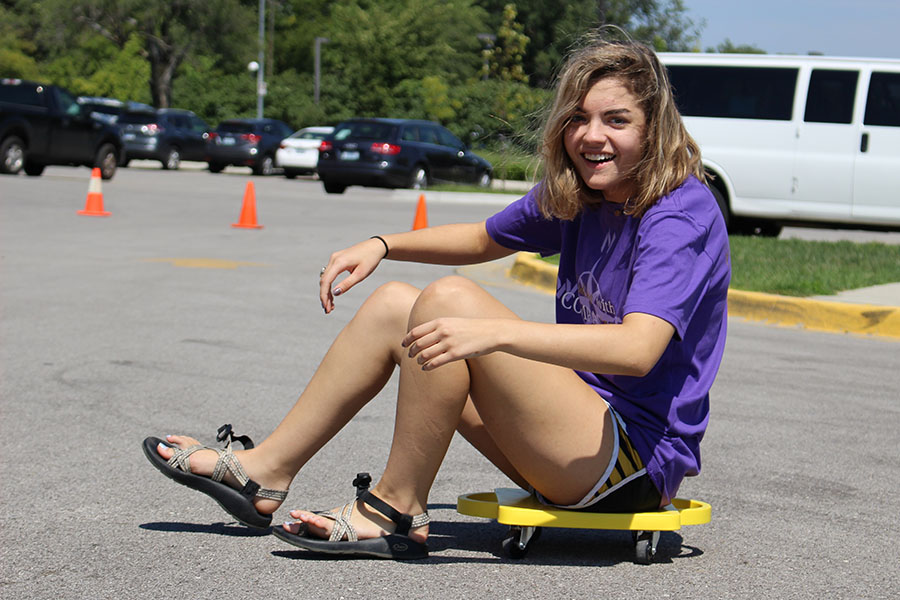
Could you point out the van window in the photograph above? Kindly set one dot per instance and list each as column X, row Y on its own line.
column 734, row 92
column 883, row 105
column 830, row 96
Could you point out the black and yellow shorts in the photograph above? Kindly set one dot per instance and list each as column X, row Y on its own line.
column 625, row 485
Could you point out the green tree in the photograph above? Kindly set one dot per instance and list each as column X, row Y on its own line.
column 16, row 48
column 379, row 52
column 503, row 59
column 727, row 47
column 553, row 26
column 661, row 23
column 169, row 30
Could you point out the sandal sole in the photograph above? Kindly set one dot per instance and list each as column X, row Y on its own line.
column 393, row 546
column 228, row 498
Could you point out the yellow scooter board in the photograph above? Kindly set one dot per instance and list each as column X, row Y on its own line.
column 525, row 516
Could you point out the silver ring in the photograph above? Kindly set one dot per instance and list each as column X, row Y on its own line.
column 322, row 272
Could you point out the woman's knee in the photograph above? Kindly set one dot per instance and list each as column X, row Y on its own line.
column 390, row 303
column 451, row 296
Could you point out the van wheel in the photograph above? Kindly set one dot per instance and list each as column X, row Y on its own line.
column 12, row 155
column 173, row 160
column 107, row 160
column 723, row 207
column 33, row 169
column 759, row 227
column 485, row 180
column 418, row 179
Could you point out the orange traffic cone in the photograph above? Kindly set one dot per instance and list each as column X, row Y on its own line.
column 421, row 220
column 94, row 205
column 248, row 210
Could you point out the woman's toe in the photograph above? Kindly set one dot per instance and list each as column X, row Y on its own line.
column 292, row 527
column 165, row 451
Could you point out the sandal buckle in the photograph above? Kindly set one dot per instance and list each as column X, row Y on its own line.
column 224, row 432
column 361, row 483
column 250, row 489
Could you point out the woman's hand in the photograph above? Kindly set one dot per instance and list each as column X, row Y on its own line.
column 441, row 341
column 359, row 260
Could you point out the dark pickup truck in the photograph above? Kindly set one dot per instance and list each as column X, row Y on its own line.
column 43, row 125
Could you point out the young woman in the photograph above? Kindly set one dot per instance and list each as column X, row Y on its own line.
column 602, row 411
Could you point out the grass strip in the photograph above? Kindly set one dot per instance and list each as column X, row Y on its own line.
column 807, row 268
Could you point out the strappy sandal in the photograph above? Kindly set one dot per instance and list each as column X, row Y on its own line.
column 344, row 540
column 237, row 503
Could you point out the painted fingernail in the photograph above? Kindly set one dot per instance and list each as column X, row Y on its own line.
column 337, row 291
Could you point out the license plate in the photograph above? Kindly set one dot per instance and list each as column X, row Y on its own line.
column 128, row 137
column 227, row 141
column 350, row 155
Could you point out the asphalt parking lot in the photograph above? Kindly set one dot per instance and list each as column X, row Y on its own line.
column 162, row 318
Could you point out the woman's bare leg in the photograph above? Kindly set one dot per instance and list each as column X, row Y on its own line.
column 353, row 371
column 546, row 423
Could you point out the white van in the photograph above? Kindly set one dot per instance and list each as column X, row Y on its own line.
column 794, row 138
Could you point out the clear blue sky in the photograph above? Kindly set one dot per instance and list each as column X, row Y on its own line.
column 834, row 27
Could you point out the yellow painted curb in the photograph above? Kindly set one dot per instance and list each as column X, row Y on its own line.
column 784, row 311
column 531, row 270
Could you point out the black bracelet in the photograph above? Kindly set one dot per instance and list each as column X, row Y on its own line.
column 386, row 248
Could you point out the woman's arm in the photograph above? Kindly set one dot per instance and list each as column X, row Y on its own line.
column 458, row 244
column 630, row 348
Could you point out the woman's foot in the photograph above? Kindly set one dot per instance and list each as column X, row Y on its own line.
column 202, row 462
column 365, row 520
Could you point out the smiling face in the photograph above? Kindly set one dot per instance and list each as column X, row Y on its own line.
column 604, row 138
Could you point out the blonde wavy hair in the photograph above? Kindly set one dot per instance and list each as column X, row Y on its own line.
column 669, row 153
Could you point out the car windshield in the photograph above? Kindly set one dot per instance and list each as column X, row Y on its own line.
column 364, row 130
column 137, row 118
column 236, row 127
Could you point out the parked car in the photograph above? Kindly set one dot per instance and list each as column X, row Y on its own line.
column 247, row 142
column 42, row 125
column 299, row 153
column 168, row 135
column 397, row 153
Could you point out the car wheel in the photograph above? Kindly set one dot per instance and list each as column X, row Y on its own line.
column 12, row 155
column 265, row 166
column 333, row 188
column 418, row 179
column 33, row 169
column 107, row 160
column 216, row 167
column 485, row 180
column 124, row 162
column 173, row 160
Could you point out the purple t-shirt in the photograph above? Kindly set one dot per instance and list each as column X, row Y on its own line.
column 672, row 263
